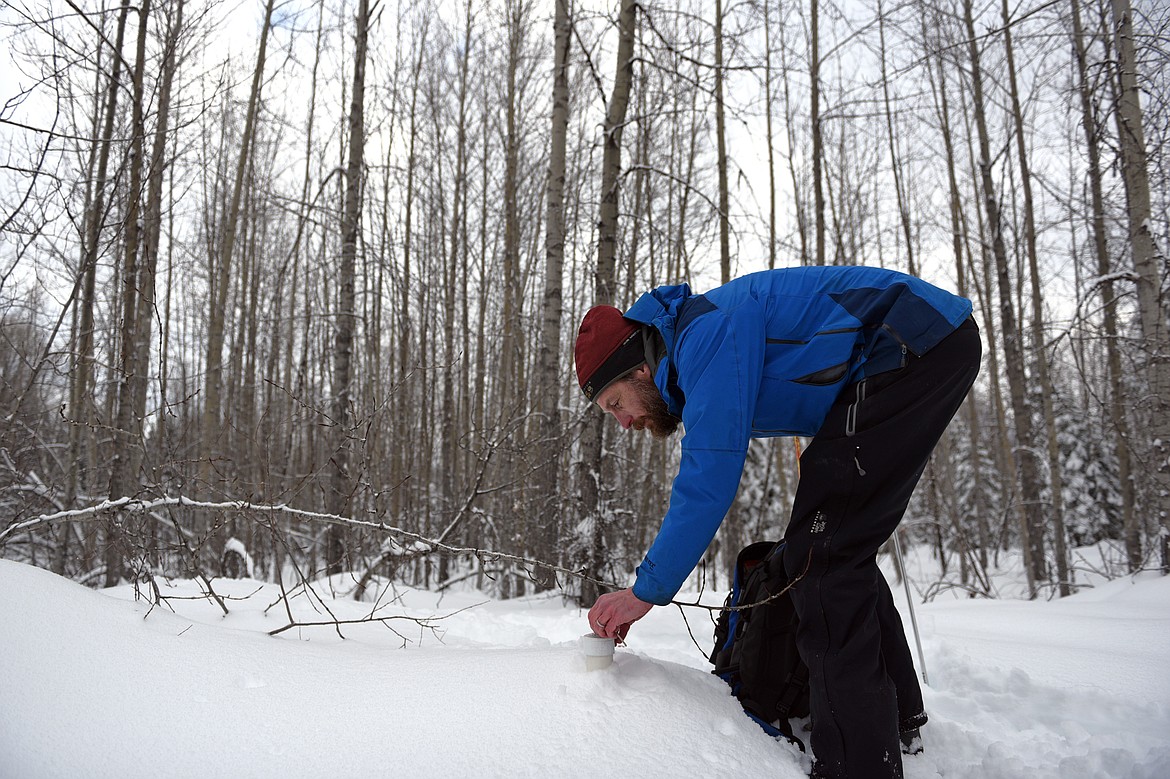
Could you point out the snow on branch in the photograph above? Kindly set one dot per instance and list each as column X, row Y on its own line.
column 415, row 544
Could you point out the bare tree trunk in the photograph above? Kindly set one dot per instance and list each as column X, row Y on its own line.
column 128, row 428
column 479, row 410
column 1117, row 413
column 817, row 139
column 80, row 403
column 545, row 382
column 771, row 148
column 895, row 158
column 790, row 131
column 721, row 141
column 1047, row 391
column 978, row 507
column 343, row 484
column 221, row 276
column 451, row 426
column 1025, row 459
column 510, row 353
column 152, row 216
column 983, row 288
column 589, row 473
column 679, row 266
column 403, row 455
column 511, row 395
column 1148, row 264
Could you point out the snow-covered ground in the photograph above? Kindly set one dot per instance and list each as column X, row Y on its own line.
column 95, row 684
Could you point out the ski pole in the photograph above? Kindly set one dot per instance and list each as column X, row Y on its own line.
column 910, row 603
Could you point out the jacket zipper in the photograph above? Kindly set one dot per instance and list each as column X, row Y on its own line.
column 851, row 414
column 901, row 341
column 777, row 432
column 799, row 342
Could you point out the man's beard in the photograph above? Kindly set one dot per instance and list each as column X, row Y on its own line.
column 660, row 422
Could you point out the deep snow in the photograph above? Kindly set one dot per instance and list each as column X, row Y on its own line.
column 96, row 684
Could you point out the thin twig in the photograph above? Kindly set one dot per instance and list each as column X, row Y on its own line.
column 425, row 545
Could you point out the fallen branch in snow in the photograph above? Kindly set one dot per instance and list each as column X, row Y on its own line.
column 419, row 544
column 427, row 622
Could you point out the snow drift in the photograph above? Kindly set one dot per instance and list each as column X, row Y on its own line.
column 98, row 684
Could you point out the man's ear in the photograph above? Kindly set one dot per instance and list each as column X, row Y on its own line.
column 643, row 372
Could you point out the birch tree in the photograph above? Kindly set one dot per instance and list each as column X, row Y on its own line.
column 1148, row 265
column 345, row 319
column 1029, row 480
column 547, row 377
column 604, row 284
column 220, row 265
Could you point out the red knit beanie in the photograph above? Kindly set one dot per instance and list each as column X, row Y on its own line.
column 608, row 347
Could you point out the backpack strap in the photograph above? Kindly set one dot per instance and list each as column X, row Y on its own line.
column 797, row 683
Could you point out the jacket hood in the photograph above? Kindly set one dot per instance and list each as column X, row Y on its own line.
column 659, row 307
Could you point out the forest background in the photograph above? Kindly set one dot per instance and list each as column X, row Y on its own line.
column 302, row 278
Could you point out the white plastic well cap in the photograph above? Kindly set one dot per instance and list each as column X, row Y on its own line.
column 594, row 645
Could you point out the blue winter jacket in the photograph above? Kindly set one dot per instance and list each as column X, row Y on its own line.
column 766, row 355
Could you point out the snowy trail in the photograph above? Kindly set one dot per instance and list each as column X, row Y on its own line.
column 88, row 686
column 1078, row 687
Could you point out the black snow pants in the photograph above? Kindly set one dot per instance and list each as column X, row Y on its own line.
column 856, row 478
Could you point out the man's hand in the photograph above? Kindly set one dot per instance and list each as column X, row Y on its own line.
column 613, row 613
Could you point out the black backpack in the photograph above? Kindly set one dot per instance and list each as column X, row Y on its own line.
column 755, row 648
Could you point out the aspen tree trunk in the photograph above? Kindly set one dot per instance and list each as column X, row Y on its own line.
column 452, row 428
column 645, row 204
column 1148, row 264
column 640, row 163
column 1025, row 459
column 818, row 143
column 403, row 459
column 979, row 505
column 375, row 388
column 152, row 216
column 832, row 202
column 289, row 448
column 221, row 275
column 128, row 428
column 721, row 140
column 679, row 266
column 248, row 451
column 604, row 284
column 479, row 410
column 466, row 390
column 74, row 414
column 1005, row 458
column 164, row 412
column 343, row 485
column 546, row 382
column 790, row 131
column 895, row 158
column 298, row 440
column 674, row 211
column 124, row 431
column 984, row 289
column 234, row 418
column 1046, row 390
column 510, row 393
column 421, row 433
column 1116, row 393
column 80, row 403
column 771, row 147
column 510, row 356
